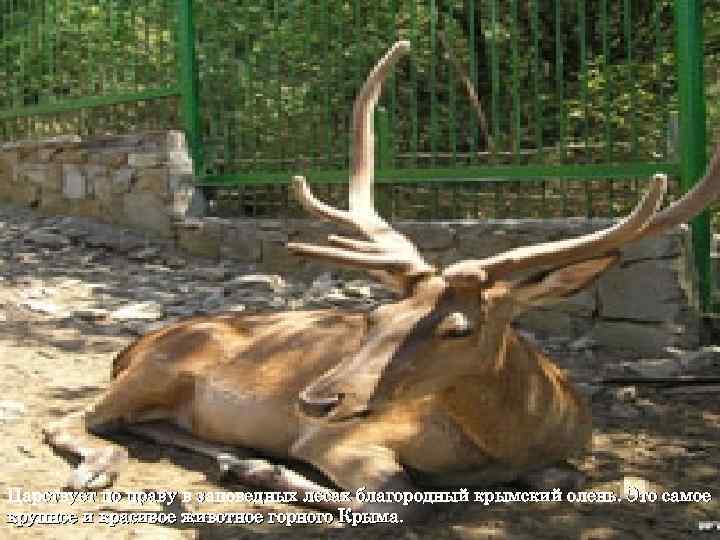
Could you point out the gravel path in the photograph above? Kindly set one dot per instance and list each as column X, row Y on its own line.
column 73, row 293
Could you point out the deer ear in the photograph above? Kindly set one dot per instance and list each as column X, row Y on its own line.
column 558, row 283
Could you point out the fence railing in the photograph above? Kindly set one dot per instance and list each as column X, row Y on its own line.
column 561, row 85
column 577, row 97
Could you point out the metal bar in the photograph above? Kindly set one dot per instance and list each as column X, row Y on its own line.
column 226, row 118
column 392, row 93
column 161, row 42
column 689, row 25
column 452, row 105
column 112, row 25
column 146, row 50
column 12, row 98
column 82, row 85
column 309, row 101
column 433, row 83
column 475, row 125
column 476, row 204
column 582, row 43
column 291, row 111
column 23, row 63
column 89, row 102
column 604, row 24
column 498, row 173
column 415, row 129
column 52, row 43
column 662, row 125
column 94, row 73
column 494, row 75
column 277, row 62
column 31, row 13
column 132, row 58
column 559, row 80
column 358, row 73
column 211, row 125
column 382, row 122
column 328, row 78
column 188, row 82
column 454, row 203
column 7, row 55
column 341, row 126
column 382, row 128
column 515, row 78
column 7, row 93
column 627, row 25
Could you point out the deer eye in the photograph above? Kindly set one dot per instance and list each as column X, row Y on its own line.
column 455, row 325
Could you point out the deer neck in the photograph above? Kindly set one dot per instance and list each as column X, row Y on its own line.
column 517, row 406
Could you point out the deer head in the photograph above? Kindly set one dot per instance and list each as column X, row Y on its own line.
column 453, row 322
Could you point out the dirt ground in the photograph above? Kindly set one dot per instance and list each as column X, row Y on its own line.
column 54, row 365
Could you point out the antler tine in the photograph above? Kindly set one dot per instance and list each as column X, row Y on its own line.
column 388, row 250
column 316, row 207
column 470, row 272
column 363, row 155
column 644, row 221
column 692, row 203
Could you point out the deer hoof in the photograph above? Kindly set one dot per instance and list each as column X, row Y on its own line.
column 98, row 470
column 249, row 470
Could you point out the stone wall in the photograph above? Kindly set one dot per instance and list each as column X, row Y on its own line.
column 145, row 182
column 142, row 181
column 640, row 305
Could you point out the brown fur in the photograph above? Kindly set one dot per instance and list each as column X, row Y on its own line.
column 506, row 415
column 402, row 393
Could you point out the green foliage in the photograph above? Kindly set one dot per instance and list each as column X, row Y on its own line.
column 560, row 80
column 558, row 83
column 53, row 51
column 712, row 70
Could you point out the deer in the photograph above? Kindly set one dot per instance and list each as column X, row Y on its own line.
column 434, row 389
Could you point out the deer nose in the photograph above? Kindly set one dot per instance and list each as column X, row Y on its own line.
column 319, row 405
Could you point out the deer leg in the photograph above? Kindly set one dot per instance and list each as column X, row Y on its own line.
column 99, row 459
column 354, row 463
column 127, row 398
column 248, row 471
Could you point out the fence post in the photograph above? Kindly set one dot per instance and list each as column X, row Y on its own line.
column 689, row 44
column 188, row 79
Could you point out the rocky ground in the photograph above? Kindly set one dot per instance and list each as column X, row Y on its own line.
column 73, row 293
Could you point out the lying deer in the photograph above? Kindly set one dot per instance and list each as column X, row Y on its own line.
column 436, row 387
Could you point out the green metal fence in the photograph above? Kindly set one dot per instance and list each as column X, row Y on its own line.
column 560, row 87
column 86, row 67
column 579, row 99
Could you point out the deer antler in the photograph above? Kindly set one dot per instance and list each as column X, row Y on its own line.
column 645, row 220
column 692, row 203
column 562, row 251
column 387, row 250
